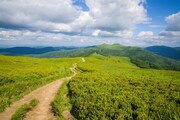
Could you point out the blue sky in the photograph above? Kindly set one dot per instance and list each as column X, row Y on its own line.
column 81, row 4
column 157, row 11
column 91, row 22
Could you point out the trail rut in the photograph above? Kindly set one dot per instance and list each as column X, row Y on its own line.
column 45, row 95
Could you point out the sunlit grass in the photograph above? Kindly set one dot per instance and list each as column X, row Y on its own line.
column 21, row 111
column 21, row 75
column 113, row 88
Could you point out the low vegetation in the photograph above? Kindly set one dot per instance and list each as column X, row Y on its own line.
column 113, row 88
column 21, row 112
column 20, row 75
column 107, row 87
column 61, row 102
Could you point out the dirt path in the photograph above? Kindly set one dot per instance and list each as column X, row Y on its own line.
column 45, row 95
column 83, row 59
column 67, row 115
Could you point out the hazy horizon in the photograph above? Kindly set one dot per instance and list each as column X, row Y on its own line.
column 81, row 46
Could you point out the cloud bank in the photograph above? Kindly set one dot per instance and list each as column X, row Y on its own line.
column 80, row 22
column 173, row 22
column 62, row 16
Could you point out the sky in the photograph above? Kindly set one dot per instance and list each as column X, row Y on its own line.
column 89, row 22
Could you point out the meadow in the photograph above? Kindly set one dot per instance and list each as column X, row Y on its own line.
column 112, row 88
column 105, row 88
column 20, row 75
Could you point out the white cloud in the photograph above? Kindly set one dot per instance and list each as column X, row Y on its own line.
column 45, row 15
column 123, row 34
column 173, row 22
column 62, row 16
column 82, row 40
column 116, row 15
column 82, row 22
column 156, row 40
column 96, row 33
column 38, row 38
column 170, row 33
column 146, row 34
column 45, row 22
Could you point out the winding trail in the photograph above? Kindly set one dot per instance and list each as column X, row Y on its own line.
column 83, row 59
column 45, row 95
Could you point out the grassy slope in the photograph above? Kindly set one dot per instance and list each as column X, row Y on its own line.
column 66, row 53
column 140, row 57
column 113, row 88
column 21, row 75
column 107, row 87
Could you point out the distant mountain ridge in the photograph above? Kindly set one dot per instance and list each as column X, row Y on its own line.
column 177, row 48
column 139, row 56
column 165, row 51
column 31, row 50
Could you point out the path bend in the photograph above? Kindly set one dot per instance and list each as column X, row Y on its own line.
column 45, row 95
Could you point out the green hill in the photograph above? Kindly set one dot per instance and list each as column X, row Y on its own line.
column 142, row 58
column 139, row 56
column 66, row 53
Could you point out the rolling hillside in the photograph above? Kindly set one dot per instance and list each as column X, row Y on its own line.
column 138, row 56
column 67, row 53
column 141, row 57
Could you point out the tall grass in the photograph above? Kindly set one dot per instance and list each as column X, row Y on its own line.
column 21, row 112
column 61, row 102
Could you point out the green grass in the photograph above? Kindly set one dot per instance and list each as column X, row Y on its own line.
column 20, row 75
column 21, row 112
column 106, row 87
column 61, row 102
column 114, row 88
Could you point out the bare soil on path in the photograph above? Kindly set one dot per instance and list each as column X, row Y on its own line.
column 67, row 115
column 83, row 59
column 45, row 95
